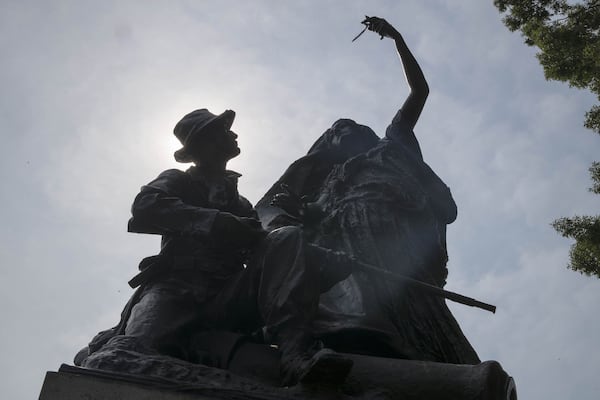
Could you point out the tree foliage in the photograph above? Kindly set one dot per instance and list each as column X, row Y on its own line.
column 585, row 253
column 568, row 36
column 595, row 172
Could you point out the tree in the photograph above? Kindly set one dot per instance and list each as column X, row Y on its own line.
column 585, row 253
column 568, row 37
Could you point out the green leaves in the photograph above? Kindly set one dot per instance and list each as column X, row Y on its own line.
column 585, row 253
column 585, row 258
column 568, row 36
column 580, row 228
column 592, row 119
column 595, row 173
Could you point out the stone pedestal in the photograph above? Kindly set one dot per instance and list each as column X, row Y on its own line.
column 72, row 386
column 371, row 378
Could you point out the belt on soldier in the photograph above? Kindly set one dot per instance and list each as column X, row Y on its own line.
column 154, row 266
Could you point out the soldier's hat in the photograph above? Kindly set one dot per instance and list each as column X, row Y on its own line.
column 196, row 123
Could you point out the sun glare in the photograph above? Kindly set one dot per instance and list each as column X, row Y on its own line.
column 166, row 147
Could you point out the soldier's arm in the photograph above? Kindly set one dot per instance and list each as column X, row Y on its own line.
column 159, row 208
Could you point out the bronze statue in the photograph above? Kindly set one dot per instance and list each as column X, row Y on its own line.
column 235, row 303
column 217, row 268
column 377, row 200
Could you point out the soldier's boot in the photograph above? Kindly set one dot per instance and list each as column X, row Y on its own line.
column 305, row 360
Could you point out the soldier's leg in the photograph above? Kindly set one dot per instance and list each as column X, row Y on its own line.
column 278, row 289
column 288, row 287
column 288, row 292
column 163, row 319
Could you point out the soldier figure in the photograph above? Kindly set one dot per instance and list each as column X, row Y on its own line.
column 217, row 268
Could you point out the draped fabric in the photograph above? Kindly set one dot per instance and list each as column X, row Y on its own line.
column 386, row 207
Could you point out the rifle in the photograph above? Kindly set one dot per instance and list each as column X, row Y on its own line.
column 156, row 265
column 434, row 290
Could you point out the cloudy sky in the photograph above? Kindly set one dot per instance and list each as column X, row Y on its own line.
column 92, row 89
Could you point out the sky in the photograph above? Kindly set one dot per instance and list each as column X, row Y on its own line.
column 92, row 90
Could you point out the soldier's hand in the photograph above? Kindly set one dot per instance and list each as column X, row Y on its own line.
column 290, row 202
column 292, row 205
column 239, row 231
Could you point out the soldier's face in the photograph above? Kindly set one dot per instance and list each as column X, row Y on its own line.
column 218, row 144
column 225, row 142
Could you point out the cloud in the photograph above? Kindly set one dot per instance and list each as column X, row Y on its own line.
column 538, row 329
column 92, row 93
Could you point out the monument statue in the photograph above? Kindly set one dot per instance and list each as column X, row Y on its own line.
column 377, row 200
column 217, row 268
column 318, row 292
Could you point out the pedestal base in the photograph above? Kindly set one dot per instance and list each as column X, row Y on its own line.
column 370, row 378
column 69, row 386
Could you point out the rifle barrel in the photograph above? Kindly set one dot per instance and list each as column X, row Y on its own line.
column 458, row 298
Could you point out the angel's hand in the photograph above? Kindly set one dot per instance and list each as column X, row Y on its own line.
column 380, row 26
